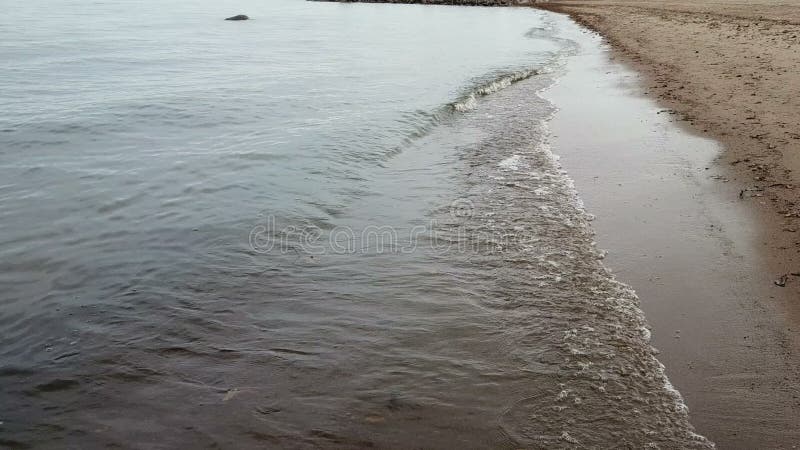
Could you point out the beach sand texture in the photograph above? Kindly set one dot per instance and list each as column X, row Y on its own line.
column 730, row 71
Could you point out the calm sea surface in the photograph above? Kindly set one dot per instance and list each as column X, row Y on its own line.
column 334, row 225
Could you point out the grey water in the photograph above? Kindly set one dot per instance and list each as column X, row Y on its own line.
column 334, row 225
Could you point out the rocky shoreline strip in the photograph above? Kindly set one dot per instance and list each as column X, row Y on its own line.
column 442, row 2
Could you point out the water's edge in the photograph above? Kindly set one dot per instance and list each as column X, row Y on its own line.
column 144, row 275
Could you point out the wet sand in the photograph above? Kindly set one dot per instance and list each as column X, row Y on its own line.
column 728, row 70
column 677, row 232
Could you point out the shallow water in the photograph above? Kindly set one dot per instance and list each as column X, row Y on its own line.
column 333, row 225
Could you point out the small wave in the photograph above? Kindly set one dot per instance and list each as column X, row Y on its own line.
column 469, row 101
column 424, row 122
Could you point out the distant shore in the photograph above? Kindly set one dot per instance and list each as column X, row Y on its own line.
column 441, row 2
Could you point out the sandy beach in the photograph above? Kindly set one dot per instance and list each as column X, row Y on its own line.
column 680, row 235
column 711, row 246
column 352, row 226
column 728, row 70
column 725, row 70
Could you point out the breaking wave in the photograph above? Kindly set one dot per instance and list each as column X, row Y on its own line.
column 469, row 101
column 592, row 374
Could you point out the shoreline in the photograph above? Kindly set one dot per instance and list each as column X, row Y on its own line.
column 488, row 3
column 684, row 244
column 712, row 74
column 726, row 328
column 516, row 245
column 748, row 395
column 709, row 94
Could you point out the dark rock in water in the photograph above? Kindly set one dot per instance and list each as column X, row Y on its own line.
column 239, row 17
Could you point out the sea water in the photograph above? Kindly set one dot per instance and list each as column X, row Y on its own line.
column 335, row 225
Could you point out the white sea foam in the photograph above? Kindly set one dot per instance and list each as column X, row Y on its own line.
column 470, row 102
column 513, row 162
column 624, row 303
column 467, row 104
